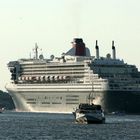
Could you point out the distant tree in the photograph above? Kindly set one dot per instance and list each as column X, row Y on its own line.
column 1, row 91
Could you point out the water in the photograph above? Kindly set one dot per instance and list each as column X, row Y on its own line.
column 43, row 126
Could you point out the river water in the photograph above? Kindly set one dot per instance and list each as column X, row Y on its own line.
column 43, row 126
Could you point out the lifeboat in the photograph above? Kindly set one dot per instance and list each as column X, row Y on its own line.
column 64, row 77
column 42, row 78
column 61, row 77
column 27, row 78
column 56, row 77
column 19, row 78
column 51, row 78
column 23, row 78
column 30, row 78
column 47, row 78
column 37, row 78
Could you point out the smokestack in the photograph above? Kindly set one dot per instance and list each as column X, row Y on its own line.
column 80, row 49
column 113, row 50
column 97, row 50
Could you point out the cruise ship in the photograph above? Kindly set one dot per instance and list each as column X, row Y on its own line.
column 60, row 84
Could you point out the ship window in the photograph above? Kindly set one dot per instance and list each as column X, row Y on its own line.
column 45, row 102
column 72, row 103
column 31, row 102
column 72, row 95
column 46, row 97
column 30, row 99
column 72, row 99
column 56, row 103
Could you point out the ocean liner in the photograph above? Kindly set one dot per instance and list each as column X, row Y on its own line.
column 60, row 84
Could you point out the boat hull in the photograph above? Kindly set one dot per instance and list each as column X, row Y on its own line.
column 64, row 99
column 89, row 118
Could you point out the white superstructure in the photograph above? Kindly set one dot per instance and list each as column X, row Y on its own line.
column 59, row 84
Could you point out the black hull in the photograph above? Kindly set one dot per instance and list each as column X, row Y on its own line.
column 121, row 101
column 90, row 120
column 82, row 121
column 95, row 122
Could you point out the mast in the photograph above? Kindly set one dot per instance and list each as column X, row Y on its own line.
column 36, row 51
column 91, row 98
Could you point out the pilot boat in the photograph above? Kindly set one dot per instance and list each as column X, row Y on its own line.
column 89, row 112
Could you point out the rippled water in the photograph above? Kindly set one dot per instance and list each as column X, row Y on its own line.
column 43, row 126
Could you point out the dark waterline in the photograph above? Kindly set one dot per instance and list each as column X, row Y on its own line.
column 43, row 126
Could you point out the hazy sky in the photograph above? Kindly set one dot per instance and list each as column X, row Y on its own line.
column 54, row 23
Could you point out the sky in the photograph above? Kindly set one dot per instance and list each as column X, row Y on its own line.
column 53, row 24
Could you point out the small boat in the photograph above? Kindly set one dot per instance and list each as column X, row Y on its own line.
column 89, row 113
column 1, row 110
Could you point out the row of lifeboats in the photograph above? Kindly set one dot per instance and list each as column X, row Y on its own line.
column 43, row 78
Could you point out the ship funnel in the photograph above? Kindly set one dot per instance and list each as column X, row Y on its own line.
column 113, row 50
column 79, row 45
column 97, row 50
